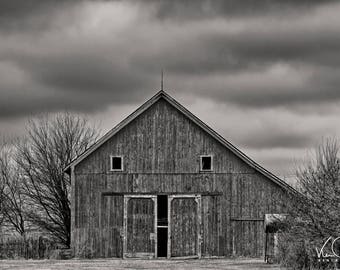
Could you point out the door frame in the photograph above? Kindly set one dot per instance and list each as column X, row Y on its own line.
column 152, row 235
column 198, row 200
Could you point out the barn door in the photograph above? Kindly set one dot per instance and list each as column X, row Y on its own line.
column 184, row 233
column 140, row 235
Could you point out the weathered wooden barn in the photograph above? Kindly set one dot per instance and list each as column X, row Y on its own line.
column 163, row 184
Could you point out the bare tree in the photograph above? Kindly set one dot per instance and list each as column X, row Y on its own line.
column 51, row 144
column 319, row 182
column 314, row 215
column 11, row 191
column 2, row 200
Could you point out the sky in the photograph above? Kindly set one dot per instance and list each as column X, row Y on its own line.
column 263, row 74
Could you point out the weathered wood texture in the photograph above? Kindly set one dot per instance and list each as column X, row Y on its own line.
column 184, row 229
column 212, row 244
column 161, row 150
column 248, row 238
column 140, row 225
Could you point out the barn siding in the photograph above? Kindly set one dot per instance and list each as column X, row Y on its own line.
column 161, row 150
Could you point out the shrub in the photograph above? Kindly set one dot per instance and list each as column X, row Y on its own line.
column 35, row 247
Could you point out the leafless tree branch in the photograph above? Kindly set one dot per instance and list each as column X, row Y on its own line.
column 51, row 144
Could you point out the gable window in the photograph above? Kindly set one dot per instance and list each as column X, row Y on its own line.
column 116, row 163
column 206, row 163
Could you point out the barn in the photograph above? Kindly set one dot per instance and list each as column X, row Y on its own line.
column 164, row 184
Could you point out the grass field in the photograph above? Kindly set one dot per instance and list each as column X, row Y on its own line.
column 216, row 264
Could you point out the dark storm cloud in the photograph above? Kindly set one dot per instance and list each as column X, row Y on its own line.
column 32, row 15
column 189, row 10
column 275, row 137
column 36, row 14
column 85, row 73
column 21, row 95
column 230, row 52
column 258, row 43
column 283, row 89
column 78, row 81
column 265, row 73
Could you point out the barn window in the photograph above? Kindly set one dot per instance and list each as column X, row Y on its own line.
column 206, row 163
column 116, row 163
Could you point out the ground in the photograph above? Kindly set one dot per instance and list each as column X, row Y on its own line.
column 215, row 264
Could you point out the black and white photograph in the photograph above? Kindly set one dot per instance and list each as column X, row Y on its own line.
column 169, row 134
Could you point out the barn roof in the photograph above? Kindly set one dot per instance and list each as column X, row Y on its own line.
column 162, row 95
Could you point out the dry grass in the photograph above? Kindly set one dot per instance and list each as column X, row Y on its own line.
column 216, row 264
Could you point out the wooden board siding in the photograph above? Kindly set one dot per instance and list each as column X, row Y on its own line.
column 211, row 226
column 111, row 226
column 248, row 238
column 162, row 140
column 161, row 150
column 99, row 234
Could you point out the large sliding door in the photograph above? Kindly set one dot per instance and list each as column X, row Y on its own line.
column 140, row 226
column 140, row 234
column 184, row 233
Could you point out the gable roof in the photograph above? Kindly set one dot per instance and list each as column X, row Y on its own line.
column 196, row 120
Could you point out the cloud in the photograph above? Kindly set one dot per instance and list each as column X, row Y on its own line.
column 33, row 15
column 102, row 53
column 282, row 161
column 268, row 128
column 279, row 85
column 207, row 9
column 265, row 74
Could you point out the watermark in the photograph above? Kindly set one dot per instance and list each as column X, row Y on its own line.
column 329, row 252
